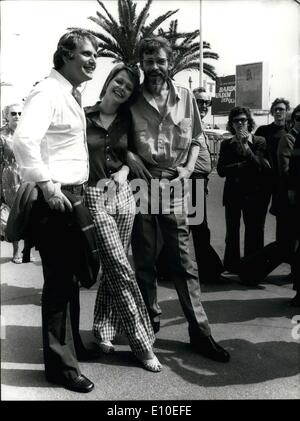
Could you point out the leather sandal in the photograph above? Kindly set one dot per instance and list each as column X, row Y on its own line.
column 106, row 347
column 151, row 364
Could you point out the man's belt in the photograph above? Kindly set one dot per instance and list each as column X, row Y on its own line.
column 77, row 189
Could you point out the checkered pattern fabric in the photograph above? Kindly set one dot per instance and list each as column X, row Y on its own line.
column 119, row 304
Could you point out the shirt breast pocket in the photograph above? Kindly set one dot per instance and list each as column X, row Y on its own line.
column 184, row 137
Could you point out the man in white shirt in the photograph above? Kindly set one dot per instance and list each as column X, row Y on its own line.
column 50, row 148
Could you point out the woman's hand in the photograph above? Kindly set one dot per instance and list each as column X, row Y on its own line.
column 243, row 136
column 120, row 177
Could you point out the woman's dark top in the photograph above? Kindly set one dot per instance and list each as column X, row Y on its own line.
column 245, row 171
column 107, row 148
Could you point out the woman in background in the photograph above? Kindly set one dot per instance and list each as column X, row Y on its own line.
column 10, row 179
column 242, row 161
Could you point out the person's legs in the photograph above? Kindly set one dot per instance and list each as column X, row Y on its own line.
column 232, row 239
column 54, row 242
column 254, row 220
column 26, row 251
column 113, row 233
column 144, row 249
column 16, row 252
column 56, row 256
column 59, row 352
column 295, row 302
column 175, row 233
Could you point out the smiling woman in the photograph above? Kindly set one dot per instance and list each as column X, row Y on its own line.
column 119, row 304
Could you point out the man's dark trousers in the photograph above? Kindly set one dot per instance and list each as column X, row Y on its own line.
column 60, row 291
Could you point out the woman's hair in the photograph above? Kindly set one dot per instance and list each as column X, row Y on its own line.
column 153, row 44
column 6, row 110
column 69, row 42
column 134, row 76
column 295, row 110
column 280, row 101
column 237, row 111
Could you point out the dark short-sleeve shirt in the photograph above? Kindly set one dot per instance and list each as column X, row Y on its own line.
column 107, row 148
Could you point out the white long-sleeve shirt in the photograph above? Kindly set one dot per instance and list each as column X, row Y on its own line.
column 50, row 139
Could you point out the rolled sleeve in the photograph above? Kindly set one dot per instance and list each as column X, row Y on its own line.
column 198, row 136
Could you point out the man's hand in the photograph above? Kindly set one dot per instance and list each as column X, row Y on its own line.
column 54, row 196
column 183, row 173
column 138, row 167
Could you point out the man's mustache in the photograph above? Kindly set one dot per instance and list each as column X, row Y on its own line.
column 157, row 73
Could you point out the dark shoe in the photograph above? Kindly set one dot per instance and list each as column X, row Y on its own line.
column 295, row 302
column 218, row 280
column 80, row 384
column 210, row 349
column 234, row 269
column 155, row 325
column 84, row 354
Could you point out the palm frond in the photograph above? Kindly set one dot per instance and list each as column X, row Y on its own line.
column 149, row 30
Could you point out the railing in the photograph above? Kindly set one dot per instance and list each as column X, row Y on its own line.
column 215, row 138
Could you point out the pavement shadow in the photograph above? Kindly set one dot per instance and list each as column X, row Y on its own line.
column 14, row 295
column 250, row 363
column 24, row 378
column 5, row 260
column 234, row 284
column 22, row 344
column 227, row 311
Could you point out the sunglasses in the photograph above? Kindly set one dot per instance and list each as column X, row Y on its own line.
column 204, row 102
column 159, row 62
column 14, row 113
column 239, row 120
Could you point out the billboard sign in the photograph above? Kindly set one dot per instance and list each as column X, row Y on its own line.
column 249, row 85
column 224, row 100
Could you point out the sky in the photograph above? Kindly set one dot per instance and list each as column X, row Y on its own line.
column 240, row 31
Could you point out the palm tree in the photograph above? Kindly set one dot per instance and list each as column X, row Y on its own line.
column 120, row 40
column 186, row 51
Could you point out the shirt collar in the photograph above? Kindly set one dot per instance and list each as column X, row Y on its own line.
column 65, row 84
column 93, row 109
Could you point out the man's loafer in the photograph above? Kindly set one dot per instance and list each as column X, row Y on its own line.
column 210, row 349
column 80, row 384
